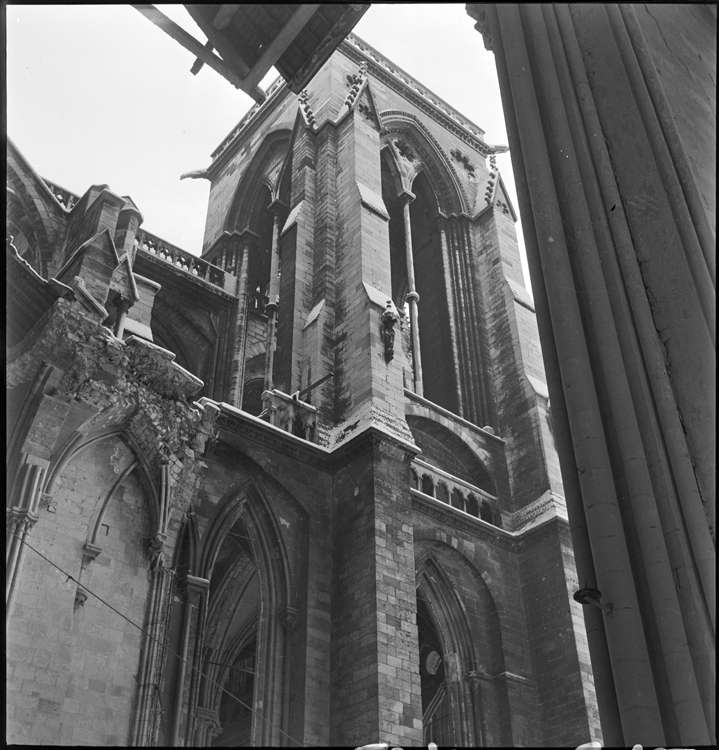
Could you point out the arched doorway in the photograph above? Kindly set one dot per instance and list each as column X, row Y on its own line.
column 436, row 712
column 451, row 713
column 245, row 648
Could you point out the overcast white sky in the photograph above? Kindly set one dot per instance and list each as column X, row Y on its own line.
column 98, row 94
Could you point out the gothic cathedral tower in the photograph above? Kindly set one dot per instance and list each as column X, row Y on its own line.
column 383, row 317
column 302, row 490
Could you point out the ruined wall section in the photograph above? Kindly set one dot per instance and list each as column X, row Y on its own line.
column 105, row 407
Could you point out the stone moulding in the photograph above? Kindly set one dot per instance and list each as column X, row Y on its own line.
column 277, row 85
column 402, row 83
column 434, row 508
column 452, row 416
column 510, row 540
column 233, row 421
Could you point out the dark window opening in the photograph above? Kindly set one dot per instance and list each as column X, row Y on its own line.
column 436, row 717
column 236, row 709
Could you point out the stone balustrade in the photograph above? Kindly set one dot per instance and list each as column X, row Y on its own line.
column 290, row 414
column 149, row 243
column 429, row 480
column 153, row 245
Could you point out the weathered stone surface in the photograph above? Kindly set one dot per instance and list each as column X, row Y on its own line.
column 288, row 549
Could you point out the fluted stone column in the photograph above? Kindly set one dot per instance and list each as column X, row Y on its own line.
column 620, row 262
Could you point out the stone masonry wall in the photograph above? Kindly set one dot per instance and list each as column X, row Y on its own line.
column 556, row 635
column 515, row 401
column 375, row 680
column 72, row 671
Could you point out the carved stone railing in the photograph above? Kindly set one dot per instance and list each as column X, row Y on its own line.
column 457, row 493
column 64, row 197
column 290, row 414
column 153, row 245
column 149, row 243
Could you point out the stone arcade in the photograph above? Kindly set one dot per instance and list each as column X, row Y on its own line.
column 317, row 464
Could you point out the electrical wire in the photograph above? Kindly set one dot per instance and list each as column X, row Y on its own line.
column 149, row 635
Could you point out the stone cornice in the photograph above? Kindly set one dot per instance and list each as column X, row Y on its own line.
column 458, row 519
column 249, row 427
column 235, row 422
column 515, row 541
column 201, row 284
column 393, row 76
column 451, row 415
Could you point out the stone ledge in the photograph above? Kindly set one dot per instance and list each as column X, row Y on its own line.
column 520, row 295
column 372, row 200
column 293, row 218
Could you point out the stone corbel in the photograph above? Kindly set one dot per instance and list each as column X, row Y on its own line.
column 208, row 726
column 48, row 501
column 89, row 554
column 195, row 587
column 80, row 597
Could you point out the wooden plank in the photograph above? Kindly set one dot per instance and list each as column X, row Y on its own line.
column 224, row 16
column 189, row 42
column 230, row 55
column 281, row 42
